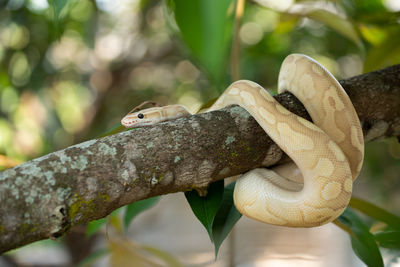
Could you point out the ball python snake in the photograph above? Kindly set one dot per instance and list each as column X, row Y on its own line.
column 327, row 154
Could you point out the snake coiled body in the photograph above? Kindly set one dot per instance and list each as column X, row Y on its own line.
column 327, row 154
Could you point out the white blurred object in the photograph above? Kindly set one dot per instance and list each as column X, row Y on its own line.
column 282, row 5
column 392, row 5
column 171, row 226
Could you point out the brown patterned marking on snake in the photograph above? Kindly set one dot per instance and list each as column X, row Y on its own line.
column 248, row 98
column 330, row 125
column 332, row 99
column 309, row 125
column 306, row 83
column 355, row 138
column 317, row 70
column 317, row 215
column 282, row 110
column 303, row 218
column 331, row 190
column 289, row 136
column 348, row 185
column 336, row 151
column 234, row 91
column 219, row 101
column 266, row 115
column 320, row 216
column 290, row 58
column 266, row 95
column 324, row 166
column 274, row 216
column 287, row 72
column 295, row 215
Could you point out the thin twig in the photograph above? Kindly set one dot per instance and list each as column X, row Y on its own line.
column 154, row 104
column 235, row 45
column 343, row 227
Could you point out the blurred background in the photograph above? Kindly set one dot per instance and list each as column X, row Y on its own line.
column 70, row 71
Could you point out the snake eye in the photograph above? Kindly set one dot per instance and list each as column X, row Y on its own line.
column 140, row 116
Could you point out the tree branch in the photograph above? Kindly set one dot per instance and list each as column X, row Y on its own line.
column 44, row 197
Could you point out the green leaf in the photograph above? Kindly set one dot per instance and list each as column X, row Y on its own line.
column 337, row 23
column 94, row 226
column 373, row 34
column 226, row 218
column 375, row 212
column 133, row 209
column 385, row 54
column 362, row 241
column 388, row 239
column 59, row 8
column 206, row 28
column 205, row 208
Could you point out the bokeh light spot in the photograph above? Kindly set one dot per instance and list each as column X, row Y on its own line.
column 251, row 33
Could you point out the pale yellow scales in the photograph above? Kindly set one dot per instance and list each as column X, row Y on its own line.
column 328, row 153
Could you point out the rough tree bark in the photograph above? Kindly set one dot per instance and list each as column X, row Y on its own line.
column 44, row 197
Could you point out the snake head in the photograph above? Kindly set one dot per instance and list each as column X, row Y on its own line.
column 150, row 116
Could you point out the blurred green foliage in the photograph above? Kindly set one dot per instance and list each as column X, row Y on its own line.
column 69, row 70
column 209, row 39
